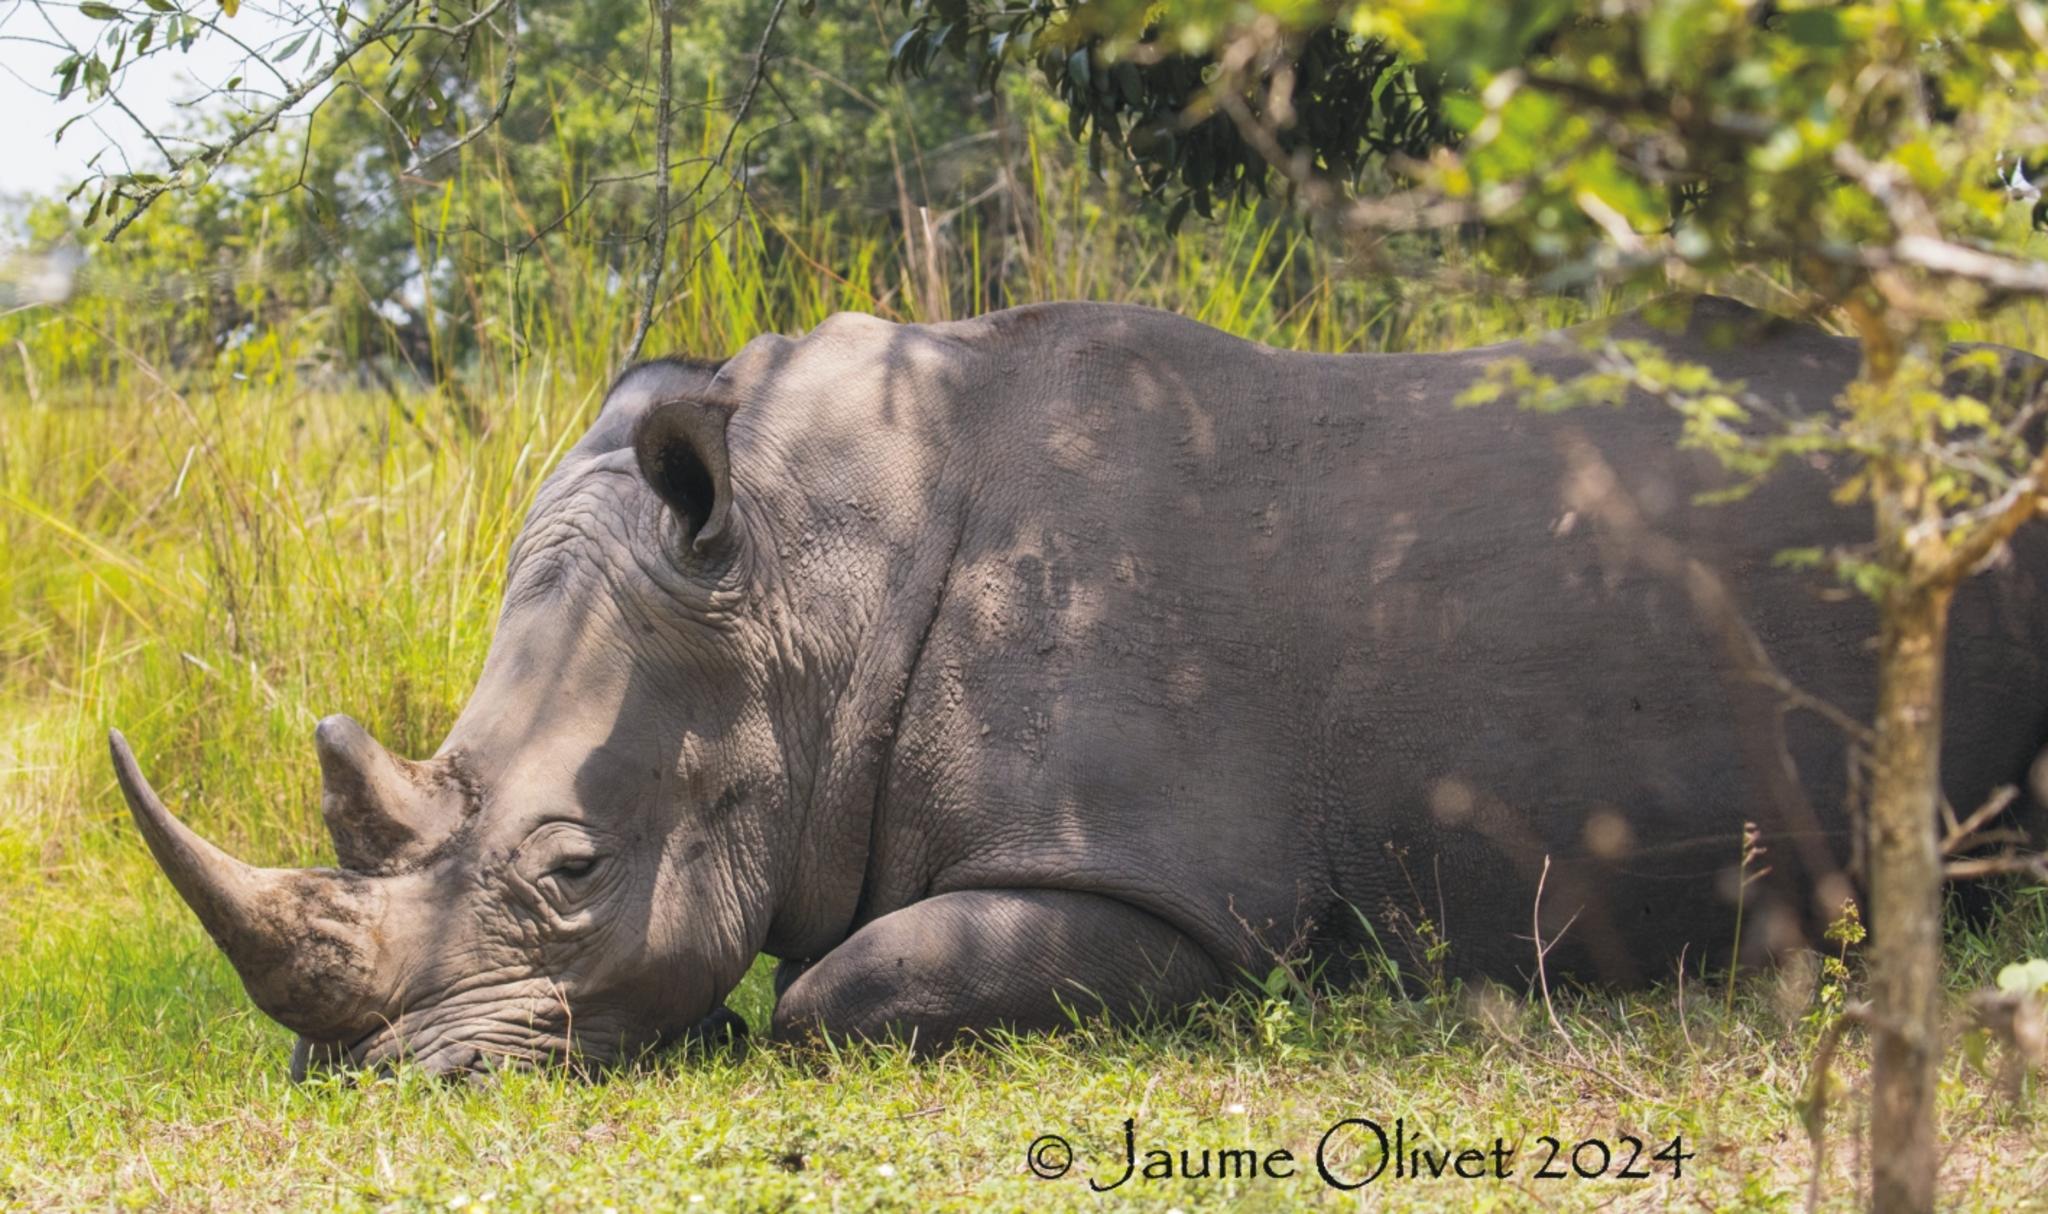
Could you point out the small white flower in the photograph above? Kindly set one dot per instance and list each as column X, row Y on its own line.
column 886, row 1170
column 696, row 1199
column 2017, row 185
column 1235, row 1110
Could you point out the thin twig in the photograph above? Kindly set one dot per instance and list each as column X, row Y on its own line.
column 1813, row 1104
column 1984, row 530
column 651, row 292
column 506, row 81
column 1960, row 835
column 2009, row 864
column 666, row 15
column 1573, row 1056
column 1543, row 951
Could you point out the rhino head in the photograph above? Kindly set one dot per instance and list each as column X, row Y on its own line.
column 591, row 860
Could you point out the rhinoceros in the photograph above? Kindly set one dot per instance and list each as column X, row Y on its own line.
column 1082, row 659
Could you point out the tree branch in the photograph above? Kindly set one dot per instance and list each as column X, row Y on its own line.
column 1982, row 531
column 506, row 82
column 1951, row 260
column 1959, row 834
column 1919, row 244
column 2033, row 865
column 381, row 27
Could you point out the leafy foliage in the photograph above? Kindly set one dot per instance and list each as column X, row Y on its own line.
column 1575, row 127
column 1148, row 95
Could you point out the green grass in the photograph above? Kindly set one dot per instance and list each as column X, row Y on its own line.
column 214, row 557
column 133, row 1072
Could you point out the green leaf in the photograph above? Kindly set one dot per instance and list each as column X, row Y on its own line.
column 1977, row 1050
column 1129, row 85
column 1814, row 27
column 903, row 42
column 1463, row 111
column 100, row 12
column 1178, row 214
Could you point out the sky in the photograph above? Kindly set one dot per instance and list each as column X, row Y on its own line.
column 29, row 112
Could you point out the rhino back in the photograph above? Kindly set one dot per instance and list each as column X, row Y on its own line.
column 1290, row 651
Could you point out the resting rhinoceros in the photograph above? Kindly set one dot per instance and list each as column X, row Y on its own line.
column 1083, row 657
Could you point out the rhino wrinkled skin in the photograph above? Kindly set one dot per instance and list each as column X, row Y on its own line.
column 1084, row 657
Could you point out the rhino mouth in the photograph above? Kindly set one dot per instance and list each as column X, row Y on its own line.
column 460, row 1054
column 469, row 1054
column 467, row 1051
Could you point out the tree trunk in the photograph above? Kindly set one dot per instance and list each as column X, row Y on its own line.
column 1905, row 897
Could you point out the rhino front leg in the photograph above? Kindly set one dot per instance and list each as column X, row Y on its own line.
column 1016, row 959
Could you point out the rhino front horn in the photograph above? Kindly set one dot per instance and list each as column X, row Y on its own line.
column 303, row 940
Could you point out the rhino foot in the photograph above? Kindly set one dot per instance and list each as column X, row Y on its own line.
column 722, row 1032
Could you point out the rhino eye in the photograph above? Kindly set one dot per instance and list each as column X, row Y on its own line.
column 566, row 885
column 563, row 863
column 571, row 869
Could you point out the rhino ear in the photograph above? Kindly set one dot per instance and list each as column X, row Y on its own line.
column 680, row 446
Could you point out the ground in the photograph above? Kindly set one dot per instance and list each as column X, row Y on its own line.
column 134, row 1073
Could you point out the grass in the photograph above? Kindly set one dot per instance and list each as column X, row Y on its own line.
column 134, row 1073
column 212, row 557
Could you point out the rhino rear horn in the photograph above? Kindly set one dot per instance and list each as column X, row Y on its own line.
column 381, row 811
column 303, row 940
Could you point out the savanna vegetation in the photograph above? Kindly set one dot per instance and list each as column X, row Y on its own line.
column 267, row 460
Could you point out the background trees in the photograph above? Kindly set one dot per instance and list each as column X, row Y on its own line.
column 477, row 147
